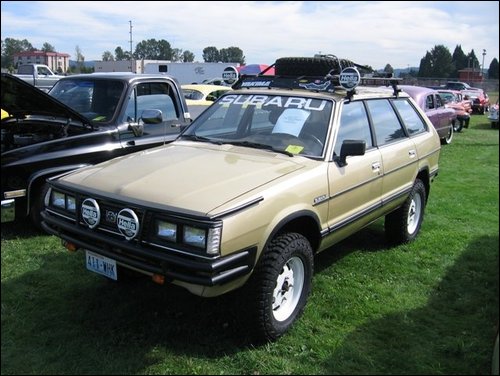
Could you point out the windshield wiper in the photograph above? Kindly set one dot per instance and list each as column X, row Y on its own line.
column 259, row 146
column 194, row 137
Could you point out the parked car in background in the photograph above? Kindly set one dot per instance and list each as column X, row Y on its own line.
column 83, row 120
column 463, row 108
column 480, row 100
column 199, row 96
column 458, row 85
column 434, row 107
column 493, row 115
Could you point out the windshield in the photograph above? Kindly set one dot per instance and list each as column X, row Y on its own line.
column 97, row 100
column 289, row 124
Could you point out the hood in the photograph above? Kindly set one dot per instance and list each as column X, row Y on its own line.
column 184, row 175
column 20, row 98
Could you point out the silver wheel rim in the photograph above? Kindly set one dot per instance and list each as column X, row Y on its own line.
column 289, row 285
column 414, row 213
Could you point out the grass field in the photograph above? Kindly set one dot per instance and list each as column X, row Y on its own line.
column 428, row 307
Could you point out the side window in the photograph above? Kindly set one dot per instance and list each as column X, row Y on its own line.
column 413, row 122
column 354, row 125
column 439, row 101
column 429, row 102
column 151, row 96
column 385, row 122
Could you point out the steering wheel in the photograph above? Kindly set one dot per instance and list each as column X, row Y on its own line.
column 314, row 145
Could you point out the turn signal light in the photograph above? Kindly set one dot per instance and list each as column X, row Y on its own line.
column 69, row 246
column 158, row 278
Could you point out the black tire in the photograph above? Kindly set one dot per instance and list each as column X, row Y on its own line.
column 447, row 139
column 274, row 303
column 309, row 66
column 403, row 224
column 458, row 126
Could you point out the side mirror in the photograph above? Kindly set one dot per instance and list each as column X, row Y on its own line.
column 152, row 116
column 351, row 147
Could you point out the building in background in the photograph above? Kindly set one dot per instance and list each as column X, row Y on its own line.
column 58, row 62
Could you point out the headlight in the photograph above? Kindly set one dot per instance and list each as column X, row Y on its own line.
column 71, row 204
column 201, row 238
column 62, row 201
column 57, row 200
column 166, row 230
column 196, row 237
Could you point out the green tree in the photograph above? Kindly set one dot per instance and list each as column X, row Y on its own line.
column 187, row 57
column 472, row 61
column 80, row 60
column 211, row 55
column 108, row 56
column 388, row 68
column 47, row 47
column 153, row 50
column 441, row 62
column 231, row 55
column 459, row 60
column 176, row 54
column 425, row 68
column 121, row 55
column 493, row 69
column 11, row 46
column 437, row 63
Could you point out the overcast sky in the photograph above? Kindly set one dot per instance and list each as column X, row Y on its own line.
column 374, row 33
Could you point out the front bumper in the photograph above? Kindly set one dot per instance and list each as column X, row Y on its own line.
column 178, row 267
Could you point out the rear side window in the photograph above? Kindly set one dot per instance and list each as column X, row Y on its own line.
column 413, row 122
column 385, row 122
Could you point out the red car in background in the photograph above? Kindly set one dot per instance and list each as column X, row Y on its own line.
column 463, row 107
column 480, row 100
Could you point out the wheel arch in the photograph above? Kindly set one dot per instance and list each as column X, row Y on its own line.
column 303, row 222
column 37, row 179
column 424, row 176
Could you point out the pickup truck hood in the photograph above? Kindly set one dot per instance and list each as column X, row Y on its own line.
column 19, row 99
column 184, row 175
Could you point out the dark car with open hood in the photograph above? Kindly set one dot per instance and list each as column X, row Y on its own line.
column 83, row 120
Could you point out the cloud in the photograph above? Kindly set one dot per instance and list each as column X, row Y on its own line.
column 373, row 33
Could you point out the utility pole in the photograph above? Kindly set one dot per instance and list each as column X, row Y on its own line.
column 482, row 67
column 130, row 22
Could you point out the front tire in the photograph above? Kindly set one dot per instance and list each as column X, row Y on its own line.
column 280, row 285
column 403, row 224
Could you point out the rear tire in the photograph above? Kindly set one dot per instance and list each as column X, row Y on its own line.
column 447, row 139
column 280, row 285
column 403, row 224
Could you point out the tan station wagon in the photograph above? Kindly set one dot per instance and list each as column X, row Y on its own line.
column 279, row 169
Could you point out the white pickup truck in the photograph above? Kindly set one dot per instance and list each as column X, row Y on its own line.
column 39, row 75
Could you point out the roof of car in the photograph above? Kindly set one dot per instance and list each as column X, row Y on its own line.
column 126, row 76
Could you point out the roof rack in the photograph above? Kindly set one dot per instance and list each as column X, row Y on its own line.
column 328, row 83
column 328, row 74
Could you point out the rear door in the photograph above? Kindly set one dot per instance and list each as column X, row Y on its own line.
column 397, row 150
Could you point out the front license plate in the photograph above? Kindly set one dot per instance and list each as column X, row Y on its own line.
column 101, row 265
